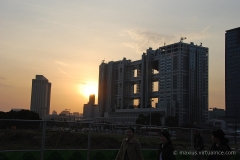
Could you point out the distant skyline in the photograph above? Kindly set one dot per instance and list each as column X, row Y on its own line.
column 66, row 41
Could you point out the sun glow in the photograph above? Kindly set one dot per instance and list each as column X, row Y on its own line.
column 88, row 88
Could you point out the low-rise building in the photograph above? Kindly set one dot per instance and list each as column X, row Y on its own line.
column 127, row 116
column 218, row 123
column 60, row 117
column 216, row 113
column 91, row 110
column 64, row 116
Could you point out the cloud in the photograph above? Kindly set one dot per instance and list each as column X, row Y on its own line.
column 61, row 63
column 198, row 35
column 2, row 78
column 4, row 85
column 142, row 39
column 62, row 71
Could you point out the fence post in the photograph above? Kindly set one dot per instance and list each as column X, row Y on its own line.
column 89, row 142
column 191, row 138
column 43, row 138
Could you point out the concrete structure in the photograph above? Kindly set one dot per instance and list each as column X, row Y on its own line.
column 40, row 97
column 232, row 77
column 216, row 113
column 175, row 76
column 218, row 123
column 63, row 117
column 54, row 112
column 76, row 113
column 127, row 116
column 66, row 111
column 91, row 110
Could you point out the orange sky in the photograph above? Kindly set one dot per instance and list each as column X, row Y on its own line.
column 66, row 42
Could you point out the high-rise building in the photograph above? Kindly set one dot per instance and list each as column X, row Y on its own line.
column 90, row 110
column 175, row 75
column 40, row 97
column 232, row 77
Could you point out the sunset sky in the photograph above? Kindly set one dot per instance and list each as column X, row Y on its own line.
column 66, row 41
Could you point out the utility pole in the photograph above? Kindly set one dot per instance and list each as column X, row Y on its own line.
column 236, row 121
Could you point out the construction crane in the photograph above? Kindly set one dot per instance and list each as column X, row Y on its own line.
column 182, row 38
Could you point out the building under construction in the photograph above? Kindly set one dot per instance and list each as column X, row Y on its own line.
column 175, row 76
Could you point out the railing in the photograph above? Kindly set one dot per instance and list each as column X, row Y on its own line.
column 82, row 140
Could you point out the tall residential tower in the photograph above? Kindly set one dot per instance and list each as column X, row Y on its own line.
column 40, row 97
column 232, row 77
column 176, row 75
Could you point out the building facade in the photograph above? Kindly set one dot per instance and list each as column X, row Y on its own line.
column 128, row 116
column 91, row 110
column 232, row 77
column 40, row 96
column 216, row 113
column 65, row 115
column 175, row 75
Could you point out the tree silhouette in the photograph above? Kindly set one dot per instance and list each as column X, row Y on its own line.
column 22, row 114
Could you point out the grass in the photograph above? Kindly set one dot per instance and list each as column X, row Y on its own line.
column 31, row 140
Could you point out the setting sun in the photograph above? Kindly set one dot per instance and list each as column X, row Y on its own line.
column 88, row 88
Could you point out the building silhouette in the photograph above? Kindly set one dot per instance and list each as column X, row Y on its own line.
column 175, row 75
column 216, row 113
column 40, row 96
column 91, row 110
column 232, row 77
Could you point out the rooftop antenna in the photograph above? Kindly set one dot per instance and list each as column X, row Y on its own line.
column 182, row 38
column 103, row 60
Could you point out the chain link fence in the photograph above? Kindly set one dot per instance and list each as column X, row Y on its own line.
column 41, row 136
column 21, row 135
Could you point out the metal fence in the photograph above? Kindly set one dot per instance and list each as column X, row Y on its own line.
column 17, row 135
